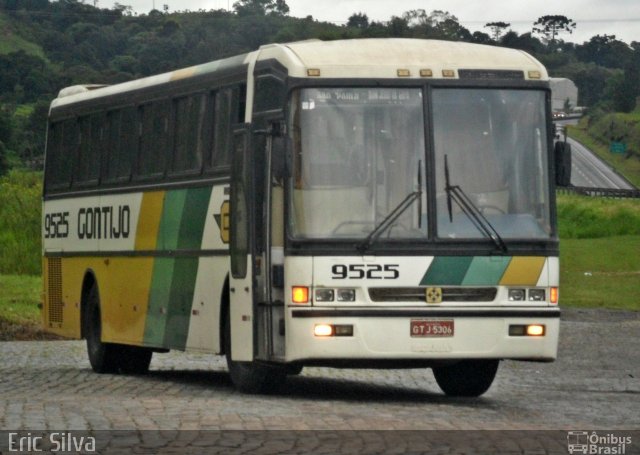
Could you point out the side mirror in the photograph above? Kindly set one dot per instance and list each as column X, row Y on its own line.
column 562, row 156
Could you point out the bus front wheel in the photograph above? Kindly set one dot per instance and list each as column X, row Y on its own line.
column 467, row 378
column 251, row 377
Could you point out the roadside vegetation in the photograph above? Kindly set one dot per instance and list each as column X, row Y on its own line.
column 599, row 129
column 599, row 245
column 20, row 207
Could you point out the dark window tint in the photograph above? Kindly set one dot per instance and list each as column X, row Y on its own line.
column 154, row 138
column 61, row 150
column 270, row 93
column 122, row 140
column 190, row 133
column 88, row 165
column 220, row 153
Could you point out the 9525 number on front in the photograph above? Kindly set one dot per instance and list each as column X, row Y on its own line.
column 365, row 271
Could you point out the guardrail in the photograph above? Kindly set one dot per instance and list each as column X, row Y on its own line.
column 600, row 192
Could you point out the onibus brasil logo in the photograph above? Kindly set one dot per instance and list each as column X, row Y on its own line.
column 594, row 443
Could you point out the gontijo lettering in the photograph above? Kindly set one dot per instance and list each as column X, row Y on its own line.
column 104, row 222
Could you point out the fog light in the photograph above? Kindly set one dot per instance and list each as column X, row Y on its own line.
column 532, row 330
column 535, row 330
column 537, row 295
column 346, row 295
column 323, row 330
column 516, row 295
column 324, row 295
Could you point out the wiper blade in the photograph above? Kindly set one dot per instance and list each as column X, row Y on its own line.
column 388, row 220
column 455, row 193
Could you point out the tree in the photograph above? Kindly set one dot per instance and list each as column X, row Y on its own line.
column 497, row 29
column 550, row 26
column 358, row 20
column 604, row 50
column 261, row 7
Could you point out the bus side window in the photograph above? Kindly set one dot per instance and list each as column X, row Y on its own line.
column 155, row 139
column 222, row 111
column 190, row 134
column 88, row 165
column 122, row 140
column 60, row 154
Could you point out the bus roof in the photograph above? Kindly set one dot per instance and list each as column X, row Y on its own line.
column 384, row 57
column 358, row 58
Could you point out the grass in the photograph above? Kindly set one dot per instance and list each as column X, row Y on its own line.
column 600, row 273
column 582, row 217
column 13, row 42
column 19, row 311
column 20, row 208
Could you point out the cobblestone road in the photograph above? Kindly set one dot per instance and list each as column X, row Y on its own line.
column 595, row 384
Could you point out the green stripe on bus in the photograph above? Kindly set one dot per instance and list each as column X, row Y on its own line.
column 180, row 301
column 173, row 282
column 446, row 271
column 486, row 270
column 196, row 203
column 171, row 220
column 159, row 299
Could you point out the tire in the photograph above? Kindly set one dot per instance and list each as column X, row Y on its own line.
column 134, row 359
column 468, row 378
column 108, row 358
column 251, row 377
column 102, row 356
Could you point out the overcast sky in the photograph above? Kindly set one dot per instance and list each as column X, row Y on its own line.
column 593, row 17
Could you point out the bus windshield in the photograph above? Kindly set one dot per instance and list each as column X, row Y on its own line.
column 495, row 144
column 358, row 153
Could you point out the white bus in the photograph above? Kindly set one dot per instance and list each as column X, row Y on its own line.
column 382, row 203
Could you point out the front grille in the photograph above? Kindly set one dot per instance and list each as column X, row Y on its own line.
column 450, row 294
column 54, row 289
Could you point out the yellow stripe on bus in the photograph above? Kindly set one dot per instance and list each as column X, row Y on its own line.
column 128, row 297
column 523, row 271
column 149, row 221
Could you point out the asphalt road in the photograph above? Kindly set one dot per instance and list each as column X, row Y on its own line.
column 588, row 170
column 594, row 385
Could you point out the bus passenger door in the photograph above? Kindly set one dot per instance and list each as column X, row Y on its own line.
column 241, row 301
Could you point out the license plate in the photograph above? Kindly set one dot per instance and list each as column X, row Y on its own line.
column 431, row 328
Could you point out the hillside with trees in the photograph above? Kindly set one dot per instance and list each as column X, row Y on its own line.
column 47, row 45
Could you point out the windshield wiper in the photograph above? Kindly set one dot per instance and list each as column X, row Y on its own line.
column 388, row 220
column 395, row 214
column 455, row 193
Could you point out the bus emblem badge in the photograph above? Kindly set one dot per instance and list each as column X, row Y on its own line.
column 434, row 295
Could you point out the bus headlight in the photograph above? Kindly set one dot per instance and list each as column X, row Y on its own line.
column 324, row 295
column 537, row 295
column 346, row 295
column 516, row 295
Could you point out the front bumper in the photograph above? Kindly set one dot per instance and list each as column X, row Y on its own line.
column 384, row 334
